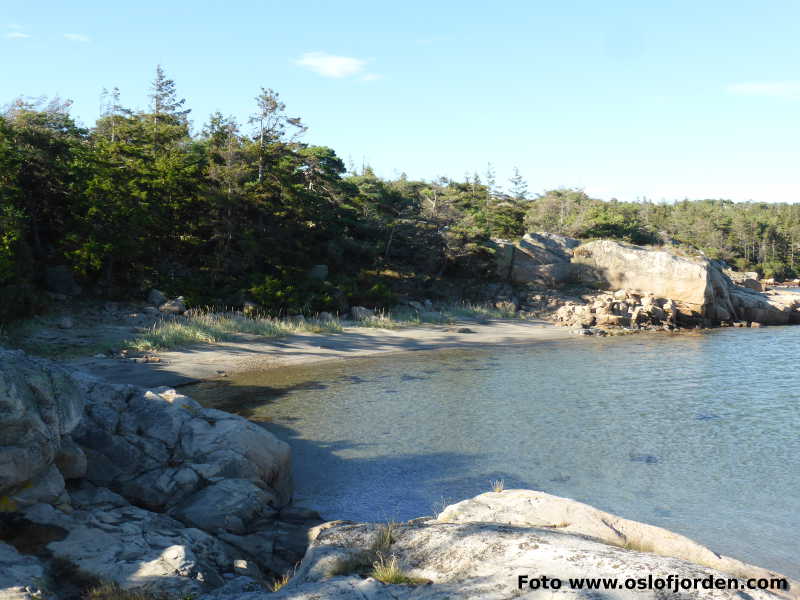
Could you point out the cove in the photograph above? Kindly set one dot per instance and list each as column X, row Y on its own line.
column 694, row 433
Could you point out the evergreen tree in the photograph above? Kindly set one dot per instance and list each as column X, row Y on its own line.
column 519, row 187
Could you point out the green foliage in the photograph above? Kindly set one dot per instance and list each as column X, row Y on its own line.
column 292, row 293
column 137, row 201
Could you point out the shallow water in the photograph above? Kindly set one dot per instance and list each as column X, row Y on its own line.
column 695, row 433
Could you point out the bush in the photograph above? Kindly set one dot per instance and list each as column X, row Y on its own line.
column 292, row 293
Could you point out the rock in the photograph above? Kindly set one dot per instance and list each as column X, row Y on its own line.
column 529, row 508
column 156, row 297
column 247, row 569
column 65, row 323
column 39, row 405
column 542, row 258
column 318, row 272
column 48, row 487
column 698, row 288
column 173, row 307
column 739, row 277
column 160, row 447
column 661, row 273
column 228, row 505
column 59, row 280
column 478, row 548
column 359, row 313
column 22, row 577
column 71, row 460
column 134, row 547
column 298, row 514
column 752, row 284
column 326, row 317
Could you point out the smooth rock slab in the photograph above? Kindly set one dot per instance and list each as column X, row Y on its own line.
column 481, row 561
column 529, row 508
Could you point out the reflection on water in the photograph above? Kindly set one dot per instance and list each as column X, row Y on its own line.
column 696, row 433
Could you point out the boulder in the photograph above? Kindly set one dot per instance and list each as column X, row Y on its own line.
column 661, row 273
column 537, row 258
column 158, row 447
column 229, row 505
column 739, row 277
column 752, row 284
column 174, row 307
column 698, row 289
column 65, row 322
column 40, row 405
column 156, row 297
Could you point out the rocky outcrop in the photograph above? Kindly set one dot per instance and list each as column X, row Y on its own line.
column 621, row 308
column 701, row 290
column 39, row 408
column 537, row 258
column 137, row 487
column 110, row 540
column 529, row 508
column 158, row 447
column 480, row 547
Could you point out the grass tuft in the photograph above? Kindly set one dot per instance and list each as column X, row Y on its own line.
column 111, row 591
column 389, row 571
column 498, row 485
column 281, row 581
column 384, row 539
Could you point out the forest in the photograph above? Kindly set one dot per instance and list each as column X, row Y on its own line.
column 241, row 211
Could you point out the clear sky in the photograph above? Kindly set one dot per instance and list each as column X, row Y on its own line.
column 624, row 99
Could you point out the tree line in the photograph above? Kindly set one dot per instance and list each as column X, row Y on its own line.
column 245, row 210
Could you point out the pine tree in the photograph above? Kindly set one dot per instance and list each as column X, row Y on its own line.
column 519, row 187
column 164, row 98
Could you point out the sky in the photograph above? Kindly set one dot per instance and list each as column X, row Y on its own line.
column 659, row 100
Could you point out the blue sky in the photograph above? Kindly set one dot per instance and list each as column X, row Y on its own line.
column 624, row 99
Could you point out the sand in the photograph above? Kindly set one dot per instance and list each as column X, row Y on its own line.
column 212, row 361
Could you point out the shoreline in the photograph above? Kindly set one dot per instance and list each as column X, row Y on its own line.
column 214, row 361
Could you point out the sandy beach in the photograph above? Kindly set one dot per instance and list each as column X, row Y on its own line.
column 204, row 362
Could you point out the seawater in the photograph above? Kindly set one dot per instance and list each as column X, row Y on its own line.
column 697, row 433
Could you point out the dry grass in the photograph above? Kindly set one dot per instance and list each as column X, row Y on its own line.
column 387, row 570
column 281, row 581
column 384, row 539
column 498, row 485
column 202, row 326
column 111, row 591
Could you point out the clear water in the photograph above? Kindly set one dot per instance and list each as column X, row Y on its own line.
column 695, row 433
